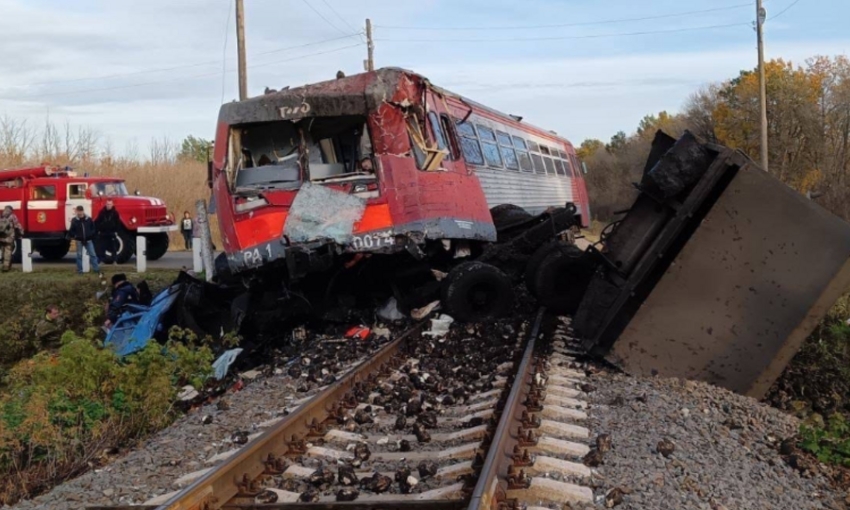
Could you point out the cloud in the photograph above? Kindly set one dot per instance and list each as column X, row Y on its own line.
column 62, row 57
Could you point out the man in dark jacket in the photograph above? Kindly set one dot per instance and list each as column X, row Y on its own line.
column 83, row 232
column 123, row 294
column 107, row 223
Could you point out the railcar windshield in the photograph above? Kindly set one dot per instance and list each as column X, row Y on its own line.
column 283, row 154
column 111, row 189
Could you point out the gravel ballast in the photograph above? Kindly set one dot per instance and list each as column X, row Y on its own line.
column 684, row 445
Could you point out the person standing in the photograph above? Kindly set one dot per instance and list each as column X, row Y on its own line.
column 83, row 232
column 187, row 227
column 10, row 230
column 107, row 223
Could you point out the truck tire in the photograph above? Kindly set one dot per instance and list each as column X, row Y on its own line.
column 54, row 251
column 508, row 215
column 16, row 252
column 126, row 248
column 533, row 264
column 475, row 291
column 157, row 245
column 562, row 277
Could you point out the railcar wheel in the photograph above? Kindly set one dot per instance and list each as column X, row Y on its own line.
column 508, row 215
column 474, row 291
column 562, row 277
column 533, row 264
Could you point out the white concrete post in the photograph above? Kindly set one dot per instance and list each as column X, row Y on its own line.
column 26, row 255
column 206, row 239
column 197, row 259
column 141, row 254
column 86, row 261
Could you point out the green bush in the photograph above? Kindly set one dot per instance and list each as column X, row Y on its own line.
column 830, row 443
column 25, row 297
column 61, row 410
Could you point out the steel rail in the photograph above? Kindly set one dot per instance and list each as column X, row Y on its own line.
column 492, row 485
column 236, row 475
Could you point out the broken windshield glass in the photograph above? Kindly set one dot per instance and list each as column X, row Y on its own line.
column 269, row 155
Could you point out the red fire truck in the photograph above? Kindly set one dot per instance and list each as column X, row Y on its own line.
column 318, row 178
column 44, row 199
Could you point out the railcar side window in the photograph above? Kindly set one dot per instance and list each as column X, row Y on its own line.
column 544, row 150
column 559, row 167
column 469, row 144
column 537, row 159
column 533, row 147
column 519, row 143
column 506, row 147
column 437, row 128
column 550, row 165
column 450, row 137
column 488, row 145
column 524, row 161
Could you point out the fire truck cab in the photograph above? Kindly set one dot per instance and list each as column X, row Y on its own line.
column 44, row 199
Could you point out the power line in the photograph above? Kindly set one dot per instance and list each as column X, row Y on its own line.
column 561, row 38
column 783, row 11
column 224, row 53
column 579, row 24
column 205, row 75
column 183, row 66
column 349, row 25
column 323, row 17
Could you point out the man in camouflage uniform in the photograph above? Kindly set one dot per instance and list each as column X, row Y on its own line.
column 49, row 329
column 9, row 230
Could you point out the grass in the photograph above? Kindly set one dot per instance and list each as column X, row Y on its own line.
column 26, row 295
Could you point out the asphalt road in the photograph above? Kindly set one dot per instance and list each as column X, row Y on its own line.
column 172, row 260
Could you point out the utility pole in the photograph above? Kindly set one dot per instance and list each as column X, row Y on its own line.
column 370, row 46
column 760, row 18
column 240, row 44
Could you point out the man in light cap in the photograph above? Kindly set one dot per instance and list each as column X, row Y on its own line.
column 10, row 229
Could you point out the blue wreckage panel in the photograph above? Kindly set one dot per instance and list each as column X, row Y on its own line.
column 139, row 324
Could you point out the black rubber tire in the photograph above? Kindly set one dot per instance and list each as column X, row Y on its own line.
column 157, row 245
column 475, row 291
column 533, row 264
column 16, row 252
column 508, row 215
column 562, row 277
column 54, row 251
column 126, row 246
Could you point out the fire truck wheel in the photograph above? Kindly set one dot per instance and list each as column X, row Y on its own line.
column 533, row 264
column 157, row 245
column 126, row 248
column 16, row 252
column 507, row 215
column 562, row 278
column 474, row 291
column 54, row 251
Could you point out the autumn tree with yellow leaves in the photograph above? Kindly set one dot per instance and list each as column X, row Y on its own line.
column 808, row 109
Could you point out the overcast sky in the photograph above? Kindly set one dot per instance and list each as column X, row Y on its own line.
column 137, row 70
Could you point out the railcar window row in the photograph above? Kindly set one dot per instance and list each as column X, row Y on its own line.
column 481, row 145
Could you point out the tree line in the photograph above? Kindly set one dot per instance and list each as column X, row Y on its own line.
column 808, row 111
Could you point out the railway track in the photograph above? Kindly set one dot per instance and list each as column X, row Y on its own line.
column 422, row 423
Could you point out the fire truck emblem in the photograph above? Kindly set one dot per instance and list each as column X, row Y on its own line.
column 41, row 218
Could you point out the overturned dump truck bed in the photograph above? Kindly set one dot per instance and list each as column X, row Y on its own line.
column 718, row 272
